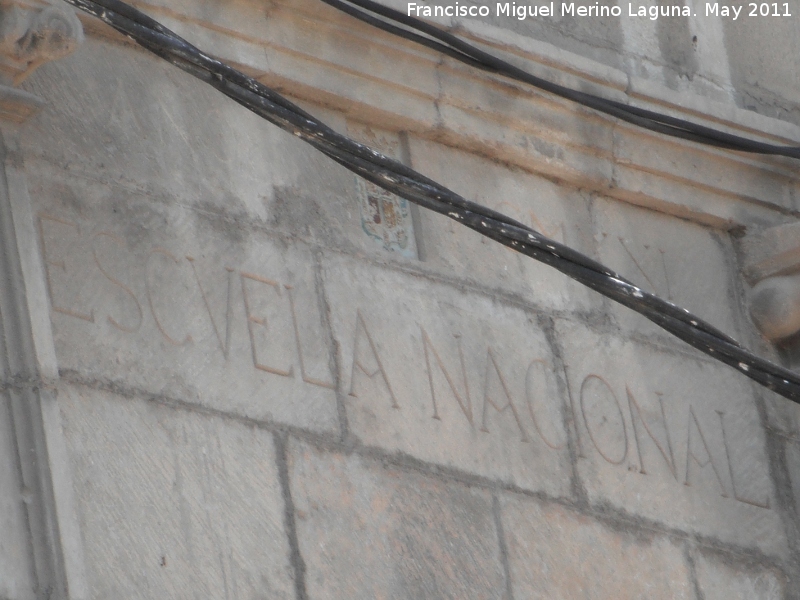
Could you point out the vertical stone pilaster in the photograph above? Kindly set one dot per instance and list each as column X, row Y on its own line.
column 40, row 555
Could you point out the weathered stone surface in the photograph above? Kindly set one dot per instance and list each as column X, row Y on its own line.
column 676, row 260
column 676, row 163
column 555, row 553
column 556, row 212
column 179, row 138
column 33, row 33
column 177, row 302
column 541, row 137
column 367, row 532
column 792, row 445
column 762, row 83
column 182, row 140
column 174, row 504
column 176, row 232
column 770, row 252
column 447, row 376
column 671, row 438
column 719, row 581
column 775, row 307
column 397, row 87
column 16, row 568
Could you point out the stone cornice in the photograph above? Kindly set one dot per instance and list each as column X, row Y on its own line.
column 316, row 54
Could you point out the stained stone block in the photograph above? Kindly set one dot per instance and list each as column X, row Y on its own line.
column 447, row 376
column 670, row 437
column 177, row 302
column 368, row 532
column 174, row 504
column 555, row 553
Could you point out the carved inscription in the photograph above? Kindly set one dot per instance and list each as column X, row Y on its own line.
column 95, row 277
column 367, row 362
column 461, row 395
column 651, row 265
column 136, row 322
column 426, row 368
column 666, row 436
column 623, row 434
column 428, row 374
column 224, row 339
column 639, row 422
column 493, row 375
column 66, row 232
column 539, row 393
column 760, row 503
column 435, row 372
column 258, row 325
column 154, row 288
column 660, row 254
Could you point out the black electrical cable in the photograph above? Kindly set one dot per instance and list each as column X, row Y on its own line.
column 407, row 183
column 455, row 47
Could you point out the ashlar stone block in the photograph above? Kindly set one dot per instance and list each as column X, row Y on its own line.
column 670, row 437
column 174, row 504
column 368, row 532
column 174, row 302
column 447, row 376
column 557, row 212
column 679, row 261
column 555, row 553
column 158, row 131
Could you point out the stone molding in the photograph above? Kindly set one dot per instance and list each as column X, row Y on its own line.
column 28, row 400
column 44, row 517
column 315, row 54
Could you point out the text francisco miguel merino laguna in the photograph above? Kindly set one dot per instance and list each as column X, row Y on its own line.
column 569, row 9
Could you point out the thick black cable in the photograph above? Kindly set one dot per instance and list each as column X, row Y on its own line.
column 455, row 47
column 407, row 183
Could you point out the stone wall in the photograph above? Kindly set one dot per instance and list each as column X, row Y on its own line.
column 244, row 373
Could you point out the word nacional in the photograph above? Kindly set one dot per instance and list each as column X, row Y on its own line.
column 570, row 9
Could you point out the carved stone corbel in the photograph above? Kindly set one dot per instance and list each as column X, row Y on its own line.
column 772, row 267
column 33, row 32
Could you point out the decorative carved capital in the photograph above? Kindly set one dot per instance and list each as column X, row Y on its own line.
column 33, row 32
column 772, row 266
